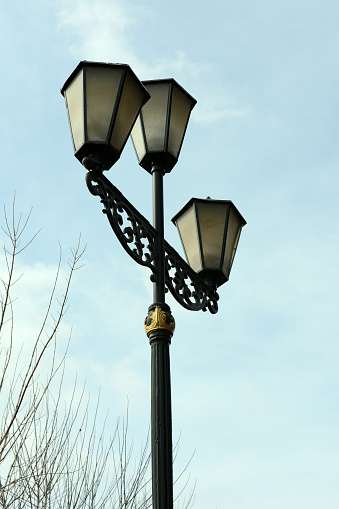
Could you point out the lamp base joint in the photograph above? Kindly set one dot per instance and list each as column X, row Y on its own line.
column 159, row 318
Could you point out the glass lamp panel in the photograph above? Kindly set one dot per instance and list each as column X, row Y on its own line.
column 133, row 97
column 155, row 116
column 235, row 224
column 138, row 138
column 212, row 219
column 75, row 98
column 187, row 226
column 181, row 107
column 102, row 86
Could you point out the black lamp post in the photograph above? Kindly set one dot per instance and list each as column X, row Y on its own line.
column 105, row 103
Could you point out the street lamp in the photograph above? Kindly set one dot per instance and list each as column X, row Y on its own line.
column 105, row 103
column 210, row 232
column 160, row 128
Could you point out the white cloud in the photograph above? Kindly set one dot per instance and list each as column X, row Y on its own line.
column 98, row 29
column 101, row 33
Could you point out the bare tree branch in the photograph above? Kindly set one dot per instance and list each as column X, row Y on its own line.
column 55, row 455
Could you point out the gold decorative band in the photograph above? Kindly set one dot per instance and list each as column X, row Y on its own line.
column 160, row 320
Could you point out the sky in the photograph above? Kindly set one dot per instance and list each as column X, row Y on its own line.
column 255, row 387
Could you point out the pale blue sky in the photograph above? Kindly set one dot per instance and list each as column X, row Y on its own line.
column 255, row 387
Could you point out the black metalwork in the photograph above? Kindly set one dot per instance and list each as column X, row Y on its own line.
column 159, row 326
column 131, row 227
column 158, row 223
column 146, row 245
column 139, row 238
column 161, row 422
column 186, row 286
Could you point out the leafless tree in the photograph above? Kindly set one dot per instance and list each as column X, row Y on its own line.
column 55, row 455
column 51, row 454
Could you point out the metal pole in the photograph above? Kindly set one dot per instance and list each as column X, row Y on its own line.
column 159, row 326
column 158, row 223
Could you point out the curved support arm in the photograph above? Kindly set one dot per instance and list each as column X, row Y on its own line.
column 186, row 285
column 133, row 229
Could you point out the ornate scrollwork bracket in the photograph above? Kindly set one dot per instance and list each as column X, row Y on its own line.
column 133, row 230
column 186, row 286
column 137, row 236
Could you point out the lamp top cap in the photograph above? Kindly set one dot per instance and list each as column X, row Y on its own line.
column 207, row 200
column 85, row 63
column 173, row 81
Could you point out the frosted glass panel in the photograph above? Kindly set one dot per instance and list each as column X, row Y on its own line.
column 74, row 97
column 212, row 218
column 138, row 139
column 131, row 101
column 235, row 224
column 155, row 115
column 102, row 85
column 187, row 226
column 180, row 111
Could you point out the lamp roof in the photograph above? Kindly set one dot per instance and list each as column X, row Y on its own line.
column 85, row 63
column 201, row 200
column 173, row 81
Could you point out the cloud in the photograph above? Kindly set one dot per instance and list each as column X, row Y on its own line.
column 98, row 29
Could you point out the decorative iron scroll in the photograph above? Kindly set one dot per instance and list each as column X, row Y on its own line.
column 133, row 229
column 186, row 286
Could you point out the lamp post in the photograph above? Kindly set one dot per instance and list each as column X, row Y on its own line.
column 105, row 104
